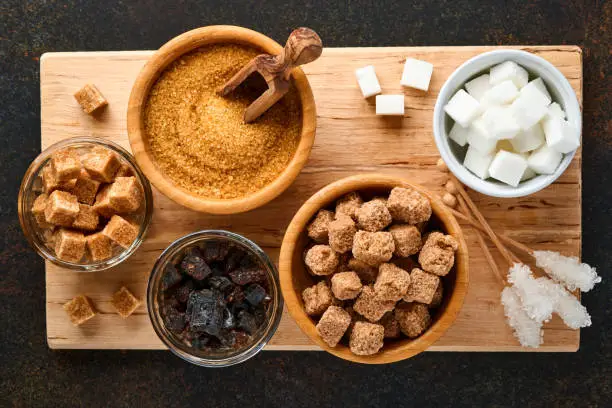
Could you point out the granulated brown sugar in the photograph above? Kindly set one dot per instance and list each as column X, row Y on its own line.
column 199, row 139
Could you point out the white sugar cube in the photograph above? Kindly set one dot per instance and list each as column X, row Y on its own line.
column 477, row 162
column 509, row 70
column 529, row 139
column 508, row 167
column 368, row 82
column 417, row 74
column 537, row 90
column 544, row 160
column 528, row 110
column 463, row 108
column 555, row 111
column 502, row 93
column 500, row 122
column 528, row 174
column 478, row 86
column 561, row 135
column 459, row 134
column 390, row 104
column 478, row 137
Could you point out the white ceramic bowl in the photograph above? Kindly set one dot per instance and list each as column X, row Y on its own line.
column 452, row 154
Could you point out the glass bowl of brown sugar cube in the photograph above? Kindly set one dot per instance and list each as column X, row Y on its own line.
column 84, row 204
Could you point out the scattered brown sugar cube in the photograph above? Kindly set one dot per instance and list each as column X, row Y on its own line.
column 87, row 218
column 373, row 216
column 65, row 165
column 346, row 285
column 102, row 204
column 333, row 324
column 90, row 98
column 341, row 233
column 370, row 306
column 38, row 210
column 317, row 299
column 79, row 309
column 366, row 338
column 125, row 302
column 409, row 206
column 51, row 183
column 121, row 231
column 125, row 195
column 436, row 300
column 319, row 227
column 366, row 273
column 321, row 260
column 62, row 208
column 413, row 318
column 407, row 239
column 373, row 248
column 422, row 288
column 85, row 188
column 69, row 245
column 392, row 282
column 124, row 171
column 391, row 325
column 438, row 253
column 101, row 164
column 100, row 246
column 349, row 204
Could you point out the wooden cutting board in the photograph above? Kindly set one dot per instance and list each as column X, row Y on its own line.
column 350, row 139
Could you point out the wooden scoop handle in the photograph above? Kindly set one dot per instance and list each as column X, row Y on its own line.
column 303, row 46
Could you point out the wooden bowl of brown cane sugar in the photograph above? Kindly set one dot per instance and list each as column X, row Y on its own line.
column 193, row 144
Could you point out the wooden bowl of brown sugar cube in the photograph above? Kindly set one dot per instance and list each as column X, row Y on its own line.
column 373, row 268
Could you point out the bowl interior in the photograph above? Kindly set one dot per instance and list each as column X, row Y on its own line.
column 295, row 278
column 453, row 154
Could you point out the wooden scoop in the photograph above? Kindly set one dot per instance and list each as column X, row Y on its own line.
column 303, row 46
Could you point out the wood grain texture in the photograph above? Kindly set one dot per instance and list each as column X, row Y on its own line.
column 350, row 139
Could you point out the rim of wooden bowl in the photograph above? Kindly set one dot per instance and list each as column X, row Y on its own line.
column 149, row 74
column 405, row 348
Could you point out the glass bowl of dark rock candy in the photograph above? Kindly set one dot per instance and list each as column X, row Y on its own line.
column 214, row 298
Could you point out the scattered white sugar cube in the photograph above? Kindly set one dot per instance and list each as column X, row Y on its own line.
column 569, row 308
column 390, row 104
column 528, row 174
column 368, row 82
column 478, row 137
column 508, row 167
column 560, row 135
column 502, row 93
column 529, row 139
column 555, row 111
column 463, row 108
column 536, row 303
column 477, row 162
column 567, row 270
column 417, row 74
column 528, row 110
column 478, row 86
column 509, row 70
column 500, row 122
column 537, row 91
column 544, row 160
column 526, row 330
column 459, row 134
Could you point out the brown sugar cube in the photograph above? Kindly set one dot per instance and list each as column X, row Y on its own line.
column 90, row 98
column 345, row 285
column 366, row 338
column 125, row 302
column 101, row 164
column 438, row 253
column 85, row 188
column 62, row 208
column 373, row 216
column 392, row 282
column 409, row 206
column 341, row 233
column 423, row 287
column 349, row 204
column 79, row 309
column 366, row 273
column 38, row 210
column 413, row 318
column 124, row 171
column 436, row 300
column 391, row 325
column 373, row 248
column 333, row 324
column 407, row 239
column 321, row 260
column 102, row 204
column 51, row 183
column 65, row 165
column 69, row 245
column 87, row 218
column 125, row 195
column 99, row 246
column 380, row 199
column 318, row 228
column 370, row 306
column 121, row 231
column 317, row 299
